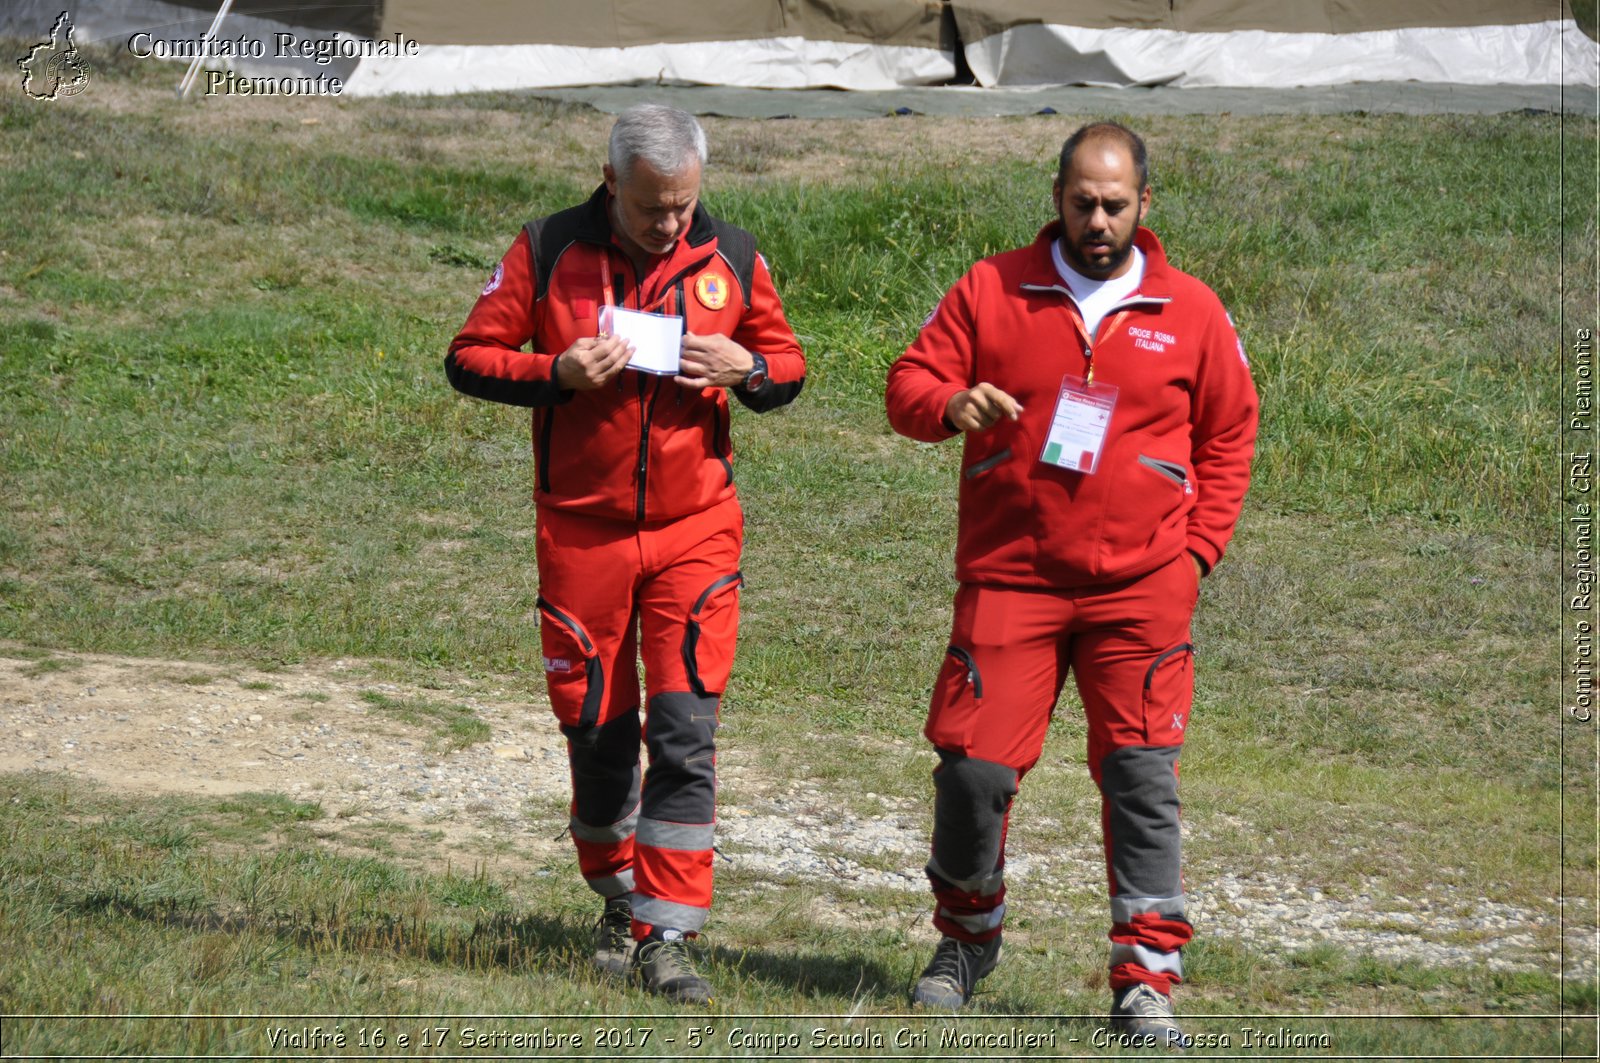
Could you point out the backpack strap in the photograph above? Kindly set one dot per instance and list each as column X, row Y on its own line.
column 548, row 240
column 738, row 249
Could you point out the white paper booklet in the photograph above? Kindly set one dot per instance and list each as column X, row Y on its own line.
column 657, row 338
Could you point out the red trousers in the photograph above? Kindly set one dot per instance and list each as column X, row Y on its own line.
column 611, row 593
column 1128, row 646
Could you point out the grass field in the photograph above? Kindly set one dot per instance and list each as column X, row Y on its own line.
column 225, row 438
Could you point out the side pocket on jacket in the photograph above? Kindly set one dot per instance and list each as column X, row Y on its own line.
column 978, row 468
column 1172, row 470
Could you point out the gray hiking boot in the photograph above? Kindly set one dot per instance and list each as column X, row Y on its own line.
column 948, row 980
column 666, row 968
column 613, row 936
column 1144, row 1017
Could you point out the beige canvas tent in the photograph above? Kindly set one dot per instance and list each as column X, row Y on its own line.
column 470, row 45
column 1262, row 43
column 870, row 44
column 848, row 44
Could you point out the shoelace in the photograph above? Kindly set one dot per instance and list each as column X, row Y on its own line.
column 617, row 924
column 673, row 955
column 1146, row 1003
column 953, row 959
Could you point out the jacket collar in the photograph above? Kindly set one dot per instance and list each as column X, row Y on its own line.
column 594, row 226
column 1156, row 283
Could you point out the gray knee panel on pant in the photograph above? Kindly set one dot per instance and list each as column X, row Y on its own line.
column 1140, row 787
column 605, row 769
column 680, row 733
column 971, row 798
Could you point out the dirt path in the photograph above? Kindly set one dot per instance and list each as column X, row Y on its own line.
column 321, row 733
column 312, row 732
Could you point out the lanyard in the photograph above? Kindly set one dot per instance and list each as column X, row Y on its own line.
column 606, row 290
column 1088, row 343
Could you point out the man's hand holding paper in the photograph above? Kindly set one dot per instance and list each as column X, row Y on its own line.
column 655, row 338
column 654, row 343
column 713, row 361
column 591, row 362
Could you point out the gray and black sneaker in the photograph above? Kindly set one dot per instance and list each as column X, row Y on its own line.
column 948, row 980
column 665, row 967
column 1141, row 1013
column 613, row 936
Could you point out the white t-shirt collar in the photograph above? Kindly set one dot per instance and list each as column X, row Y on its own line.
column 1095, row 298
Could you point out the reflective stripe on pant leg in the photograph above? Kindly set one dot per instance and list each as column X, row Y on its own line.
column 673, row 872
column 1139, row 789
column 605, row 801
column 972, row 800
column 1147, row 934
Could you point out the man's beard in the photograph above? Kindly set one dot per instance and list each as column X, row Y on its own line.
column 1114, row 261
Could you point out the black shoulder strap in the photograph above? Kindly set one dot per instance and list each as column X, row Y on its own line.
column 548, row 239
column 738, row 249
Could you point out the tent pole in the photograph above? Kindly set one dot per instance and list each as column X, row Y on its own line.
column 194, row 65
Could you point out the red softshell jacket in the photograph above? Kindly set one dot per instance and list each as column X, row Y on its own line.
column 1176, row 460
column 642, row 447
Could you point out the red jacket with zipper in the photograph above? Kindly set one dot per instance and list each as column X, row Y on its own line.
column 1175, row 463
column 641, row 447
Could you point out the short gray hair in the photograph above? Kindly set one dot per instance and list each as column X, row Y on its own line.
column 662, row 136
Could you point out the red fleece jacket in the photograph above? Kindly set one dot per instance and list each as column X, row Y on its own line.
column 641, row 448
column 1175, row 464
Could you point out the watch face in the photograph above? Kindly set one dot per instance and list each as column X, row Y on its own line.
column 757, row 377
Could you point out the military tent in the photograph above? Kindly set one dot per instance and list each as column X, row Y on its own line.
column 449, row 46
column 1268, row 44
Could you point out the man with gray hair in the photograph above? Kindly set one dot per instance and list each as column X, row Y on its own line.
column 638, row 523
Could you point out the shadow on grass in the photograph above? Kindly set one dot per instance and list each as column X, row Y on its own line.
column 812, row 973
column 497, row 941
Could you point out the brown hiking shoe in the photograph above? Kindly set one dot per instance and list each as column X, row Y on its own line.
column 950, row 977
column 1144, row 1017
column 666, row 968
column 613, row 936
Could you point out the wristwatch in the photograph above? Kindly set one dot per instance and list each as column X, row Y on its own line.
column 757, row 376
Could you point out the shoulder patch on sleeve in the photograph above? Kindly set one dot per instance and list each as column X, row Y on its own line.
column 932, row 314
column 495, row 278
column 1237, row 339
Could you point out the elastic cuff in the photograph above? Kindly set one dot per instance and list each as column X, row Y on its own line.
column 563, row 395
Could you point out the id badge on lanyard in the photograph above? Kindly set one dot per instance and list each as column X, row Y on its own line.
column 1079, row 426
column 1082, row 417
column 657, row 338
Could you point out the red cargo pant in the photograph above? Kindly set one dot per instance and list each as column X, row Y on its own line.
column 1128, row 646
column 610, row 593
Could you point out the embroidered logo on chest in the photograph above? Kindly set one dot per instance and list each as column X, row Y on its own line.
column 1150, row 339
column 712, row 291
